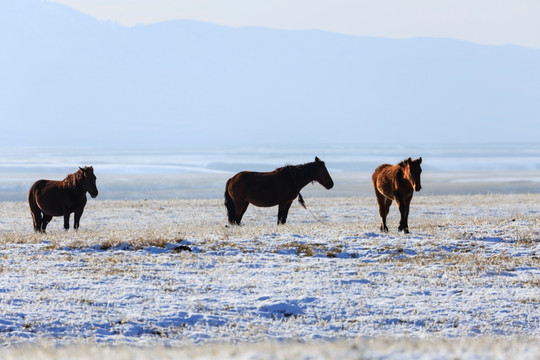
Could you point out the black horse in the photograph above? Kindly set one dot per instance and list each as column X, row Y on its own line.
column 48, row 198
column 278, row 187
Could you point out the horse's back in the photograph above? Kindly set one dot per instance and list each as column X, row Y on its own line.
column 45, row 185
column 380, row 170
column 247, row 178
column 241, row 176
column 238, row 182
column 237, row 179
column 259, row 188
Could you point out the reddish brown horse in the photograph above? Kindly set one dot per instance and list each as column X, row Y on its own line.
column 48, row 198
column 397, row 182
column 278, row 187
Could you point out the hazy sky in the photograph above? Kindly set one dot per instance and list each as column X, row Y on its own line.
column 483, row 21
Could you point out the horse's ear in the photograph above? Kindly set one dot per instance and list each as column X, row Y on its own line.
column 317, row 159
column 419, row 160
column 80, row 168
column 409, row 161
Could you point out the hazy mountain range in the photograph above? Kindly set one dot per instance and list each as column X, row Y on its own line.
column 69, row 79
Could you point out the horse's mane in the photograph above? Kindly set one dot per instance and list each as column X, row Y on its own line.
column 404, row 162
column 287, row 167
column 298, row 172
column 72, row 180
column 293, row 169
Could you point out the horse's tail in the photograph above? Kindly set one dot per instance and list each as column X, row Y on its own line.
column 301, row 201
column 32, row 202
column 229, row 204
column 34, row 208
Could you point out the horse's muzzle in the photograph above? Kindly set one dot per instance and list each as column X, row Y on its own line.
column 94, row 195
column 418, row 188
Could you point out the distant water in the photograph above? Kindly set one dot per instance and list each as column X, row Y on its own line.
column 201, row 173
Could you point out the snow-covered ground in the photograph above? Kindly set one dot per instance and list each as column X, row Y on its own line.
column 465, row 282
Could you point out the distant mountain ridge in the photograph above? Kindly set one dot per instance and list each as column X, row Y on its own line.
column 67, row 78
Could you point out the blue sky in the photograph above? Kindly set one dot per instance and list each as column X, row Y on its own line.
column 493, row 22
column 194, row 84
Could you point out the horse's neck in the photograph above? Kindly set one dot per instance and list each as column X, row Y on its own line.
column 400, row 173
column 73, row 186
column 302, row 175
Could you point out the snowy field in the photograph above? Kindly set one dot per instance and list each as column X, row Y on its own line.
column 167, row 278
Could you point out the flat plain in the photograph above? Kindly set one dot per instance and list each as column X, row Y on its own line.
column 168, row 277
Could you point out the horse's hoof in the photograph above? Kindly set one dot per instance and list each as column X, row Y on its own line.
column 405, row 230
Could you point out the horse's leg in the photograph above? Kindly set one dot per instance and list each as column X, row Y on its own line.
column 77, row 217
column 384, row 207
column 283, row 210
column 45, row 221
column 66, row 221
column 241, row 211
column 407, row 203
column 387, row 204
column 36, row 216
column 404, row 211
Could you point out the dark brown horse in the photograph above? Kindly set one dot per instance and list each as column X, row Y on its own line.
column 278, row 187
column 48, row 198
column 398, row 183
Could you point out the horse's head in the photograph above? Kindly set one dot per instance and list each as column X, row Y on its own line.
column 412, row 171
column 88, row 180
column 321, row 174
